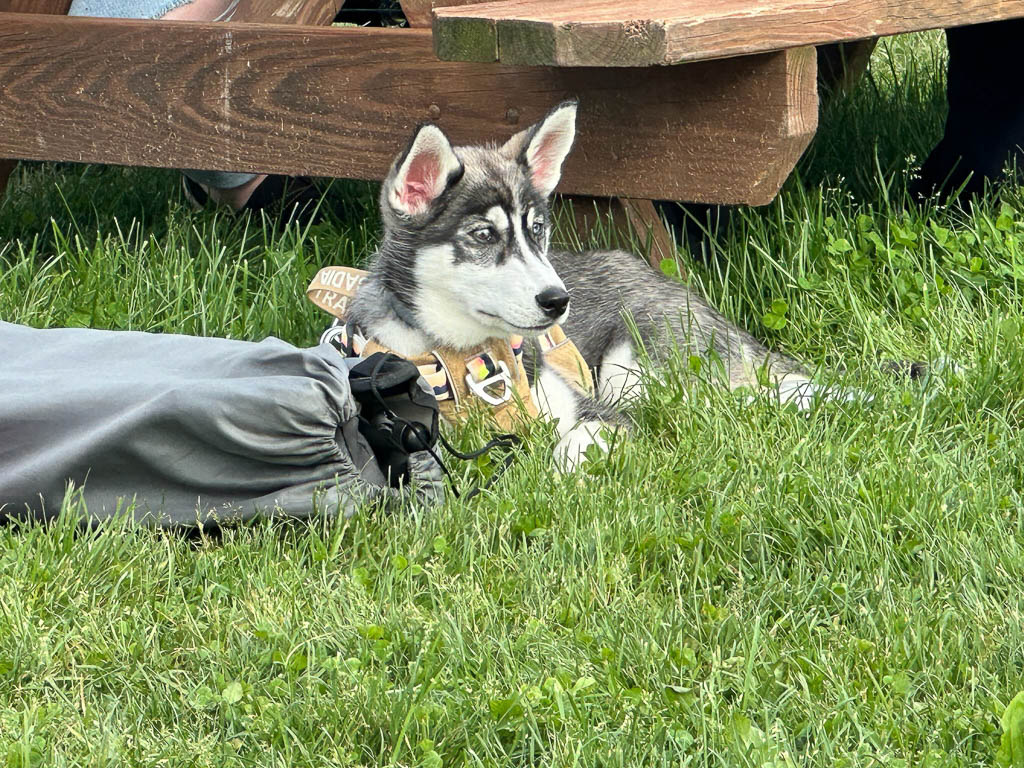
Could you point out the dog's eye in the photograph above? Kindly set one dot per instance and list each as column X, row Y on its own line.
column 485, row 235
column 538, row 227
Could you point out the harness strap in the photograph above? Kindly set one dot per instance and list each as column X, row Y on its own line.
column 333, row 288
column 561, row 354
column 351, row 343
column 479, row 368
column 494, row 374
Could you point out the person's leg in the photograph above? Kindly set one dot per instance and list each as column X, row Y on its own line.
column 226, row 188
column 124, row 9
column 985, row 126
column 202, row 10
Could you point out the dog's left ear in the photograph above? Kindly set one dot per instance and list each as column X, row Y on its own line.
column 542, row 148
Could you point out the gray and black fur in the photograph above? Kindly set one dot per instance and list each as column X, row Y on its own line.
column 464, row 258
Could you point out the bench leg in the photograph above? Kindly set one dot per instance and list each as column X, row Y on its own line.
column 6, row 168
column 842, row 65
column 626, row 222
column 26, row 6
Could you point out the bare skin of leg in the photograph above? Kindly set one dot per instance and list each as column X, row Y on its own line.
column 207, row 10
column 198, row 10
column 236, row 197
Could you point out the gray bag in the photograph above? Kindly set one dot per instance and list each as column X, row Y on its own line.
column 189, row 430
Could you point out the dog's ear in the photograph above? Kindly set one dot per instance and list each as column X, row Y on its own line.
column 426, row 170
column 543, row 147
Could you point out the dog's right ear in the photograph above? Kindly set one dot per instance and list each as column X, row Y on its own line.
column 424, row 172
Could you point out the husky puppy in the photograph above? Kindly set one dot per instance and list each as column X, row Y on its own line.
column 465, row 258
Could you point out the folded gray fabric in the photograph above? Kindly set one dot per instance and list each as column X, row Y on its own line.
column 189, row 429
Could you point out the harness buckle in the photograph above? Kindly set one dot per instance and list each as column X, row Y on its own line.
column 479, row 388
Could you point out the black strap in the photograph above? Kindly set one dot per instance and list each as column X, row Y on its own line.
column 506, row 440
column 386, row 379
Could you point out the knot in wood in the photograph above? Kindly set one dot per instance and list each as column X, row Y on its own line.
column 637, row 29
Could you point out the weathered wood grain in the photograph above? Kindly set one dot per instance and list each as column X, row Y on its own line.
column 630, row 33
column 26, row 6
column 35, row 6
column 279, row 11
column 342, row 101
column 309, row 12
column 312, row 12
column 419, row 13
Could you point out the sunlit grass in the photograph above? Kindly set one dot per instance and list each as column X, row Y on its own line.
column 737, row 584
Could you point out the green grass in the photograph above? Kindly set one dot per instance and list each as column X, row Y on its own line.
column 736, row 585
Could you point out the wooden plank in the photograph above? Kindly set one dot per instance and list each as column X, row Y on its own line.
column 419, row 13
column 26, row 6
column 308, row 12
column 35, row 6
column 312, row 12
column 654, row 32
column 281, row 11
column 343, row 101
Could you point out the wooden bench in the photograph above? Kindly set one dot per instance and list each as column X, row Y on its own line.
column 630, row 33
column 725, row 126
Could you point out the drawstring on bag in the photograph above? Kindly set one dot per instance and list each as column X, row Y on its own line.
column 390, row 380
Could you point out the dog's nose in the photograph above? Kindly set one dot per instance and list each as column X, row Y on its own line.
column 553, row 301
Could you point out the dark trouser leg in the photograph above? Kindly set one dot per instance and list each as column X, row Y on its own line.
column 985, row 126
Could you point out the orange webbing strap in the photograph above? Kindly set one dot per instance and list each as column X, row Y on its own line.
column 430, row 366
column 561, row 354
column 333, row 288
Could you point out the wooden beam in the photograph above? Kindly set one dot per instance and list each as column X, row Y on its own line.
column 308, row 12
column 35, row 6
column 343, row 101
column 311, row 12
column 26, row 6
column 419, row 13
column 650, row 230
column 304, row 12
column 629, row 33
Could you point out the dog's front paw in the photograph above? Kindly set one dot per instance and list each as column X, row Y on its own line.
column 572, row 448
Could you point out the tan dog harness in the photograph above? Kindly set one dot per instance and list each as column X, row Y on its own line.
column 491, row 377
